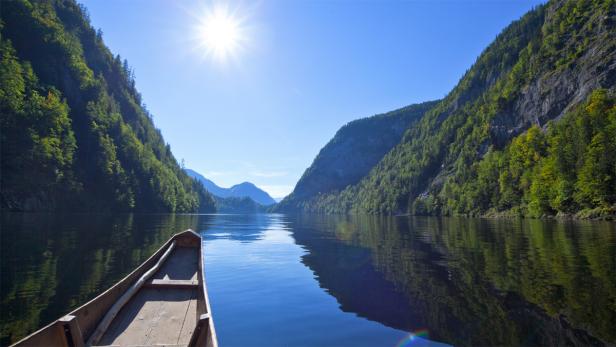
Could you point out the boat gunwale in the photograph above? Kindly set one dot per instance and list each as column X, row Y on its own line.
column 208, row 308
column 126, row 281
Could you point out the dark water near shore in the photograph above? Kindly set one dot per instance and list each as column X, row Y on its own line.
column 277, row 280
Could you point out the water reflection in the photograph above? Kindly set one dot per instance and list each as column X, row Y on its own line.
column 241, row 227
column 263, row 295
column 53, row 263
column 470, row 281
column 324, row 280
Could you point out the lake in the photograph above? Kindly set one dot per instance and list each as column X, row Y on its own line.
column 311, row 280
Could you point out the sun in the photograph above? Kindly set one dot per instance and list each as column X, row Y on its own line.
column 220, row 33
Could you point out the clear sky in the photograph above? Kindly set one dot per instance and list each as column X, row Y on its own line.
column 298, row 72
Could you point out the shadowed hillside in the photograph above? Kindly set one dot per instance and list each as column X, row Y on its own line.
column 75, row 133
column 553, row 71
column 355, row 149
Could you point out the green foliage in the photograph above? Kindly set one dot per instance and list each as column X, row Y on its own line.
column 239, row 205
column 569, row 168
column 72, row 106
column 450, row 132
column 513, row 282
column 36, row 137
column 338, row 164
column 596, row 183
column 463, row 156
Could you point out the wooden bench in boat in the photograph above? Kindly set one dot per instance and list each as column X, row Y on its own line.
column 163, row 302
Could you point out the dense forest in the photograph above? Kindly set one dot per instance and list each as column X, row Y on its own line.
column 355, row 149
column 529, row 129
column 566, row 168
column 238, row 205
column 75, row 134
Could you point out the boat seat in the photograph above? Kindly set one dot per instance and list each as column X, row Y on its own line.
column 165, row 283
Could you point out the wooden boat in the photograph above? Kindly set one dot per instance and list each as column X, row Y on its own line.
column 162, row 302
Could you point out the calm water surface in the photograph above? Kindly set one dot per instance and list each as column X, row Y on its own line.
column 279, row 280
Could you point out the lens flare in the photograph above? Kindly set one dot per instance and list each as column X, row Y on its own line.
column 412, row 338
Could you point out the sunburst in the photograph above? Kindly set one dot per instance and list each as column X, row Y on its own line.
column 221, row 33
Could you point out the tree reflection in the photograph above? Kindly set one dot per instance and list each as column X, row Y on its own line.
column 470, row 281
column 53, row 263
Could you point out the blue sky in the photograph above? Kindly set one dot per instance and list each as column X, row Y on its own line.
column 302, row 70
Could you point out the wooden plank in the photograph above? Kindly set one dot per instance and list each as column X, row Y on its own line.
column 90, row 313
column 154, row 316
column 166, row 326
column 187, row 266
column 158, row 313
column 200, row 336
column 132, row 323
column 71, row 331
column 183, row 265
column 125, row 298
column 158, row 283
column 190, row 322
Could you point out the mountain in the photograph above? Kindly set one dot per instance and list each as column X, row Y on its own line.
column 250, row 190
column 238, row 205
column 528, row 130
column 75, row 133
column 353, row 151
column 211, row 187
column 245, row 189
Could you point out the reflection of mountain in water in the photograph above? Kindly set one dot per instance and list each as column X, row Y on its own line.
column 241, row 227
column 347, row 273
column 54, row 263
column 469, row 282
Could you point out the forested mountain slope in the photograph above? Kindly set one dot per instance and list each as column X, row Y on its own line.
column 355, row 149
column 75, row 134
column 208, row 184
column 247, row 189
column 238, row 205
column 472, row 154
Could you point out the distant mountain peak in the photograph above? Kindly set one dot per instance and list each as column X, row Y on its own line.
column 241, row 190
column 244, row 184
